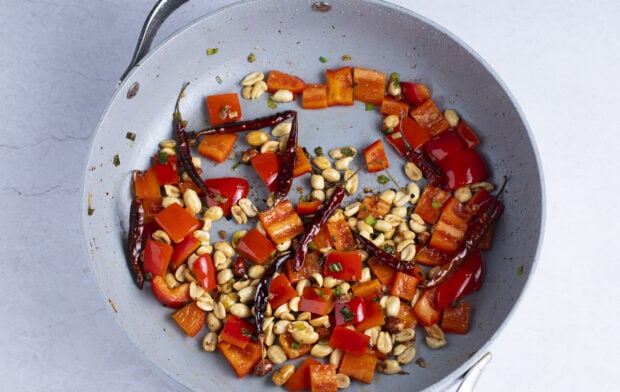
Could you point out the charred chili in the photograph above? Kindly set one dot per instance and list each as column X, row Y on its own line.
column 261, row 298
column 476, row 231
column 241, row 126
column 135, row 242
column 383, row 256
column 284, row 180
column 320, row 217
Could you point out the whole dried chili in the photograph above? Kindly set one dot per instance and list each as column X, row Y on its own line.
column 135, row 241
column 241, row 126
column 320, row 218
column 476, row 231
column 184, row 154
column 261, row 298
column 383, row 256
column 284, row 180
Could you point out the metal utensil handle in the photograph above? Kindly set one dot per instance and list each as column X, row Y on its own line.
column 156, row 17
column 471, row 377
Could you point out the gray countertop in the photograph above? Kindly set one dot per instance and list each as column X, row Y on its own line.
column 59, row 63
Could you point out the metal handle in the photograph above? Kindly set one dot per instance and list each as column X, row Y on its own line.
column 158, row 14
column 473, row 374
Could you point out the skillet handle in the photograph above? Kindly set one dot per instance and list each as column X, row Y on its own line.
column 471, row 377
column 158, row 14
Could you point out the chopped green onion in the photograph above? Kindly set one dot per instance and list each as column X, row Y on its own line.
column 319, row 151
column 251, row 57
column 162, row 158
column 520, row 270
column 383, row 179
column 321, row 294
column 246, row 332
column 346, row 57
column 218, row 79
column 116, row 160
column 437, row 204
column 347, row 313
column 211, row 51
column 335, row 267
column 271, row 104
column 236, row 165
column 370, row 220
column 323, row 59
column 394, row 77
column 311, row 246
column 295, row 345
column 389, row 249
column 347, row 151
column 338, row 291
column 369, row 107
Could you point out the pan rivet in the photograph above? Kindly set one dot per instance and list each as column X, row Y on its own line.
column 321, row 6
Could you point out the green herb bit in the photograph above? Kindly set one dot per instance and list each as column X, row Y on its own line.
column 347, row 151
column 346, row 57
column 370, row 107
column 236, row 165
column 251, row 57
column 321, row 294
column 383, row 179
column 437, row 204
column 312, row 246
column 335, row 267
column 319, row 151
column 371, row 220
column 148, row 276
column 218, row 79
column 246, row 332
column 338, row 291
column 162, row 158
column 211, row 51
column 271, row 104
column 131, row 136
column 389, row 249
column 347, row 313
column 116, row 160
column 520, row 270
column 295, row 345
column 323, row 59
column 395, row 77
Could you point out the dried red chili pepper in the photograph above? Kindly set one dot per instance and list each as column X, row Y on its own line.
column 320, row 218
column 136, row 241
column 284, row 180
column 383, row 256
column 261, row 298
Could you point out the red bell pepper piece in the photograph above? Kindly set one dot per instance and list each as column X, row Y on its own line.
column 223, row 108
column 182, row 250
column 376, row 160
column 146, row 186
column 373, row 315
column 323, row 378
column 314, row 96
column 300, row 380
column 343, row 265
column 227, row 191
column 467, row 135
column 166, row 168
column 306, row 208
column 277, row 80
column 351, row 312
column 414, row 93
column 218, row 146
column 339, row 86
column 281, row 222
column 173, row 298
column 424, row 311
column 348, row 340
column 369, row 85
column 431, row 203
column 255, row 247
column 456, row 318
column 242, row 360
column 156, row 258
column 442, row 145
column 280, row 291
column 267, row 166
column 429, row 117
column 190, row 318
column 465, row 280
column 463, row 168
column 316, row 300
column 204, row 270
column 177, row 222
column 237, row 331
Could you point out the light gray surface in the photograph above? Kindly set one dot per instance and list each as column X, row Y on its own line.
column 59, row 63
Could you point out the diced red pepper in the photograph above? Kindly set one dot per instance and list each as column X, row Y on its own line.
column 339, row 86
column 204, row 271
column 373, row 315
column 369, row 85
column 429, row 117
column 146, row 186
column 300, row 380
column 340, row 235
column 302, row 163
column 404, row 286
column 467, row 135
column 442, row 145
column 456, row 318
column 360, row 368
column 376, row 159
column 382, row 271
column 368, row 290
column 237, row 331
column 292, row 348
column 415, row 134
column 227, row 191
column 349, row 340
column 310, row 266
column 182, row 250
column 177, row 222
column 217, row 147
column 390, row 105
column 305, row 208
column 323, row 378
column 281, row 222
column 480, row 201
column 242, row 360
column 255, row 247
column 343, row 265
column 463, row 168
column 314, row 96
column 277, row 80
column 466, row 279
column 424, row 311
column 166, row 168
column 352, row 311
column 431, row 203
column 156, row 257
column 373, row 205
column 173, row 298
column 280, row 291
column 223, row 108
column 316, row 300
column 267, row 166
column 190, row 318
column 415, row 93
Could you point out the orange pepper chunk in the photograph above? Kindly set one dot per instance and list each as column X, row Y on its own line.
column 339, row 86
column 300, row 380
column 369, row 85
column 281, row 222
column 277, row 80
column 404, row 286
column 177, row 222
column 223, row 108
column 368, row 289
column 146, row 186
column 190, row 318
column 242, row 360
column 217, row 147
column 429, row 117
column 302, row 163
column 374, row 206
column 323, row 378
column 314, row 96
column 361, row 368
column 382, row 271
column 340, row 235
